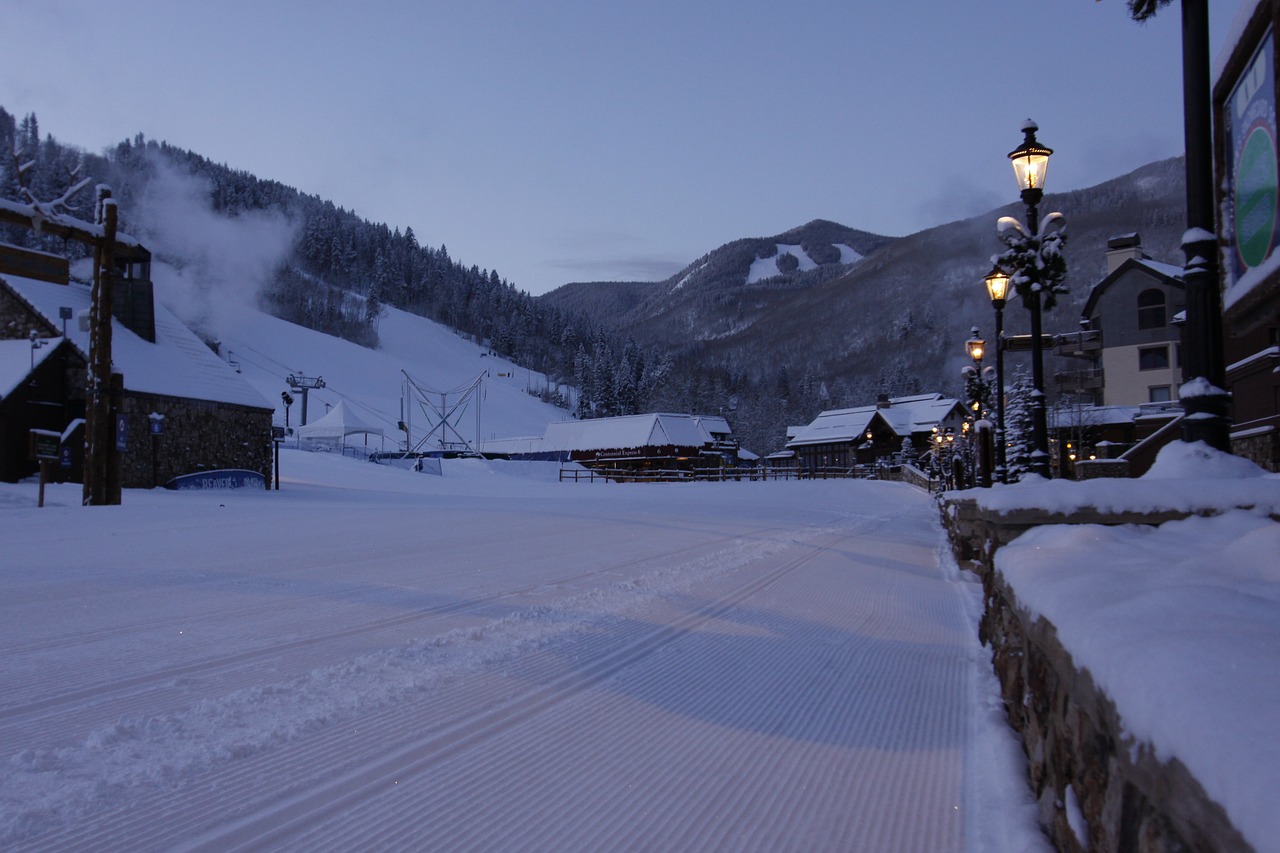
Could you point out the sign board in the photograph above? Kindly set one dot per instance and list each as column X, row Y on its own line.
column 157, row 426
column 122, row 432
column 226, row 478
column 277, row 432
column 45, row 444
column 1249, row 121
column 64, row 456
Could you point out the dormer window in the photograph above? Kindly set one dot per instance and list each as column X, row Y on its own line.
column 1151, row 309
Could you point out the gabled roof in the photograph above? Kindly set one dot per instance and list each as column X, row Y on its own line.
column 904, row 416
column 18, row 359
column 178, row 364
column 651, row 430
column 1165, row 273
column 714, row 424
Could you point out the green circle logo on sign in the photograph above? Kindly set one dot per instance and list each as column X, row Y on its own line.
column 1256, row 193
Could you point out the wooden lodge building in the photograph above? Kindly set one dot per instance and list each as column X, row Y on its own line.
column 846, row 438
column 183, row 409
column 650, row 442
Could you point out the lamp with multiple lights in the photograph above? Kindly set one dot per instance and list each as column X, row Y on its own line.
column 1030, row 165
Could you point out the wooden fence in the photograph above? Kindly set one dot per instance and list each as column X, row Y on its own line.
column 713, row 475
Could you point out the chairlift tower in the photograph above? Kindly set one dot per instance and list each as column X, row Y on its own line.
column 303, row 384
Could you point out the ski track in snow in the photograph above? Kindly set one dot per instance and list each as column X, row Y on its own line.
column 714, row 686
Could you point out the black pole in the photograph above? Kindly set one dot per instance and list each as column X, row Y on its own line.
column 1002, row 468
column 1039, row 417
column 1205, row 403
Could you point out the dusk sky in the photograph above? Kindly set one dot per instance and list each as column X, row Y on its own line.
column 575, row 140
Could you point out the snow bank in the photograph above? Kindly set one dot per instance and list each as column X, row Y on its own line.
column 1179, row 624
column 1185, row 478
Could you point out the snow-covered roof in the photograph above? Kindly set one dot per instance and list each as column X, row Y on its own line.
column 338, row 422
column 1170, row 270
column 714, row 424
column 178, row 364
column 651, row 430
column 904, row 415
column 17, row 360
column 519, row 446
column 1169, row 273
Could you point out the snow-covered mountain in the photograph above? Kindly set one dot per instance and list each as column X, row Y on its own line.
column 703, row 300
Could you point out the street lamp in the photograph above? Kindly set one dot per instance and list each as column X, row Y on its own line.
column 998, row 288
column 976, row 347
column 1030, row 164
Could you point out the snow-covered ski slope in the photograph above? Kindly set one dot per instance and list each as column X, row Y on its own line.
column 493, row 660
column 371, row 381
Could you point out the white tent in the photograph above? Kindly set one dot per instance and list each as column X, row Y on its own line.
column 336, row 425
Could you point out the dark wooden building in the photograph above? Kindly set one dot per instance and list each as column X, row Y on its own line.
column 183, row 409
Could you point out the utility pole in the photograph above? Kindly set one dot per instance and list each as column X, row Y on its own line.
column 100, row 442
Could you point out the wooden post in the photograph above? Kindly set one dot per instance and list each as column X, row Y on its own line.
column 115, row 402
column 99, row 423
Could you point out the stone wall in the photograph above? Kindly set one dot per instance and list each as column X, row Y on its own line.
column 196, row 435
column 1263, row 449
column 1096, row 788
column 17, row 320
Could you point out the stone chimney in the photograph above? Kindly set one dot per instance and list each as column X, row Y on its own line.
column 1121, row 248
column 882, row 402
column 133, row 298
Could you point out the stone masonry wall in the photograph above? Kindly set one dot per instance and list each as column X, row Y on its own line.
column 197, row 435
column 1080, row 763
column 1096, row 788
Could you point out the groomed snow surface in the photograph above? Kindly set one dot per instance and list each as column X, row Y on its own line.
column 490, row 659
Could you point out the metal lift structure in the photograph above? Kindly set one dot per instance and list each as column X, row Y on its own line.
column 444, row 411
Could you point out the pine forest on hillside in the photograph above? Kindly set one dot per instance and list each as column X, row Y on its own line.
column 340, row 269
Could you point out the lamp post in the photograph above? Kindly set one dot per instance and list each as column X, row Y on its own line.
column 998, row 289
column 1030, row 164
column 1206, row 404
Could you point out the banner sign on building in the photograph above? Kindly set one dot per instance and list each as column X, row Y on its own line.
column 1250, row 125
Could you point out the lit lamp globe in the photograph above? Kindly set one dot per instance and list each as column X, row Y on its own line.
column 976, row 348
column 997, row 287
column 1030, row 160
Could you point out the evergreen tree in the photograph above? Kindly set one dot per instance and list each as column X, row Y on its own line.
column 1019, row 432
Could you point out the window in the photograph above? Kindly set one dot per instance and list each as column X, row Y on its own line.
column 1158, row 394
column 1153, row 358
column 1151, row 313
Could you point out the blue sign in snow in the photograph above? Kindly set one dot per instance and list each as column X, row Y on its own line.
column 226, row 478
